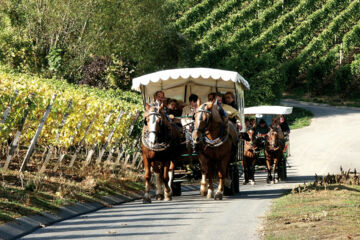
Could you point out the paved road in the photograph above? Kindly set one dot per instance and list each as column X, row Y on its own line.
column 331, row 140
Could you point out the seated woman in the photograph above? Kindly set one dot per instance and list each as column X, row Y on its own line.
column 229, row 98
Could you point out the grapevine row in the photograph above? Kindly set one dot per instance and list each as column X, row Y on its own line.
column 195, row 13
column 303, row 33
column 234, row 21
column 325, row 40
column 34, row 96
column 289, row 19
column 198, row 29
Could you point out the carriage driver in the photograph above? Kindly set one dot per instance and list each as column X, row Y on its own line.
column 262, row 128
column 187, row 121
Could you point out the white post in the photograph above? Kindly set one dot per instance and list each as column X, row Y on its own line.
column 83, row 139
column 92, row 150
column 37, row 134
column 51, row 150
column 7, row 110
column 103, row 149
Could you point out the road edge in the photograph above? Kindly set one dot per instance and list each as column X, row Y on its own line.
column 28, row 224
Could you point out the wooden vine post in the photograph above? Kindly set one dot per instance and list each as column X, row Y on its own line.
column 103, row 149
column 73, row 158
column 8, row 108
column 51, row 149
column 118, row 142
column 92, row 150
column 14, row 143
column 63, row 153
column 37, row 134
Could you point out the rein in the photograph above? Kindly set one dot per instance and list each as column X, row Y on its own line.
column 217, row 142
column 157, row 147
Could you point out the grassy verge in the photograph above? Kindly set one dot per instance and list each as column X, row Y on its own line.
column 316, row 212
column 36, row 194
column 299, row 118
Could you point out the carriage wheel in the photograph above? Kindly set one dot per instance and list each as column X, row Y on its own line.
column 234, row 186
column 176, row 188
column 282, row 169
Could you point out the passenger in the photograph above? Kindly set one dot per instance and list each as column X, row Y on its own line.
column 247, row 123
column 262, row 128
column 189, row 110
column 211, row 96
column 172, row 108
column 230, row 100
column 253, row 123
column 228, row 111
column 159, row 97
column 284, row 125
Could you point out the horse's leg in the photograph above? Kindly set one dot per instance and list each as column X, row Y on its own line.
column 171, row 175
column 210, row 192
column 203, row 187
column 167, row 189
column 158, row 183
column 222, row 167
column 268, row 165
column 276, row 176
column 147, row 176
column 246, row 170
column 252, row 171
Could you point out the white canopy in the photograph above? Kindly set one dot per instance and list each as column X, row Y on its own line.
column 181, row 76
column 263, row 110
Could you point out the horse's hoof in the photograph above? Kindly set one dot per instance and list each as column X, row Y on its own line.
column 159, row 197
column 203, row 193
column 146, row 200
column 252, row 182
column 272, row 182
column 268, row 181
column 218, row 196
column 276, row 180
column 210, row 194
column 168, row 198
column 245, row 182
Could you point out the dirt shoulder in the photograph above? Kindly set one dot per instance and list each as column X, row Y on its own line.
column 32, row 194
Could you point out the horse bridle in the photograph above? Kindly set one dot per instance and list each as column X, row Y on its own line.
column 154, row 114
column 201, row 111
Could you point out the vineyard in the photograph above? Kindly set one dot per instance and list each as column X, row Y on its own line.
column 48, row 125
column 278, row 44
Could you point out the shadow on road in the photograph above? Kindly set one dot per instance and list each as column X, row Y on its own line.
column 112, row 234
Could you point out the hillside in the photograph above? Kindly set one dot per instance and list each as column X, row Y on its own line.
column 277, row 44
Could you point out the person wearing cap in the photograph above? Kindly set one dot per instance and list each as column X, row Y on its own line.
column 262, row 128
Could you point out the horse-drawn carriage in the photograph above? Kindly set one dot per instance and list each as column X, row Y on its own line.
column 164, row 142
column 257, row 151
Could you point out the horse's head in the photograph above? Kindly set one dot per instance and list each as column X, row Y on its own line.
column 203, row 117
column 153, row 121
column 251, row 133
column 273, row 142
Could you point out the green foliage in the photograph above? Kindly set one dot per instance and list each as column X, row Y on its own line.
column 343, row 78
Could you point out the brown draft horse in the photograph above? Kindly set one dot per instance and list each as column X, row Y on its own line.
column 216, row 140
column 274, row 150
column 160, row 142
column 249, row 158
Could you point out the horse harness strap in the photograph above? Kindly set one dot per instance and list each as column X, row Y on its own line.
column 217, row 142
